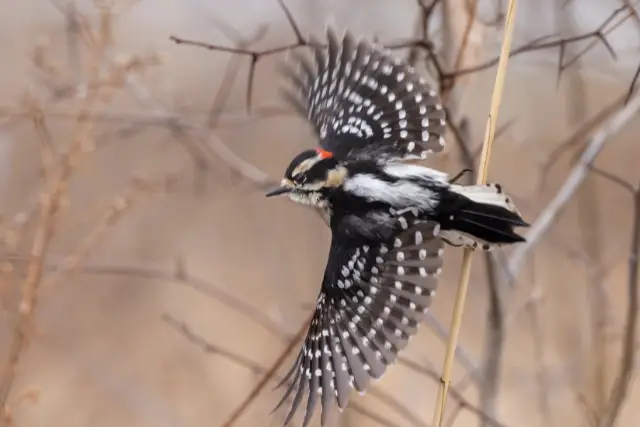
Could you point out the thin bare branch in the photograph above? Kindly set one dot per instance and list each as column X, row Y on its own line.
column 599, row 33
column 292, row 22
column 620, row 20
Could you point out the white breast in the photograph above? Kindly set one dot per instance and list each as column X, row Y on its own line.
column 403, row 170
column 401, row 194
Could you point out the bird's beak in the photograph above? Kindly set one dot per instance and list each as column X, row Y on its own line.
column 278, row 191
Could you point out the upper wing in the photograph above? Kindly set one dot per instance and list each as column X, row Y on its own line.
column 364, row 103
column 373, row 297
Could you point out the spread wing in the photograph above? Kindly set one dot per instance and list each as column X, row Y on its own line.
column 364, row 103
column 372, row 300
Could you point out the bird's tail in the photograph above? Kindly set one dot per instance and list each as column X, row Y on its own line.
column 479, row 216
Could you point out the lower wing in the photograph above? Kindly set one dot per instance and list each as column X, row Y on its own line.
column 370, row 305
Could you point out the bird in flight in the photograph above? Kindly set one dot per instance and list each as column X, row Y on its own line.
column 389, row 219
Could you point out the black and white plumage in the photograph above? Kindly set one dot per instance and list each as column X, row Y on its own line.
column 389, row 219
column 374, row 294
column 365, row 103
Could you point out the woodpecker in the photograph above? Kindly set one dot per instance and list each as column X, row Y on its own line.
column 389, row 218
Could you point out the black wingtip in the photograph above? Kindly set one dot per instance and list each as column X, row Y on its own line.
column 518, row 238
column 524, row 223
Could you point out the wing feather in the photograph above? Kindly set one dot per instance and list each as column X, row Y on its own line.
column 372, row 301
column 365, row 103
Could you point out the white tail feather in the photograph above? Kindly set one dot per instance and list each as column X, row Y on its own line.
column 488, row 194
column 491, row 194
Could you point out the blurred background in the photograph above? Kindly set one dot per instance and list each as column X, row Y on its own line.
column 146, row 281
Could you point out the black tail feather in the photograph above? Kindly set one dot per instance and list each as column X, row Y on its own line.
column 486, row 222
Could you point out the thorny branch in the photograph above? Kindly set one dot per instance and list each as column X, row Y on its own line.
column 543, row 43
column 446, row 78
column 254, row 56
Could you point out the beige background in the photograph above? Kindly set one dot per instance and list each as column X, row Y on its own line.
column 100, row 354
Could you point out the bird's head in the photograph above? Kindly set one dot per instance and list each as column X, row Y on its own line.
column 310, row 178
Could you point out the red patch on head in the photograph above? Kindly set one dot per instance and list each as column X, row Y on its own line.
column 324, row 154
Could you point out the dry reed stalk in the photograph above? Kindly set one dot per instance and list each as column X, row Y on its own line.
column 465, row 271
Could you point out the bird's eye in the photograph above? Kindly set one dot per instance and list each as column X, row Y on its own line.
column 300, row 179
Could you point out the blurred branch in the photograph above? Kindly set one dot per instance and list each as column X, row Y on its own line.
column 493, row 348
column 633, row 11
column 454, row 416
column 612, row 178
column 240, row 409
column 456, row 32
column 207, row 142
column 113, row 214
column 182, row 276
column 499, row 16
column 472, row 10
column 580, row 135
column 231, row 71
column 269, row 374
column 590, row 226
column 532, row 306
column 458, row 21
column 623, row 380
column 545, row 219
column 58, row 170
column 422, row 30
column 57, row 177
column 452, row 393
column 471, row 367
column 220, row 99
column 138, row 117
